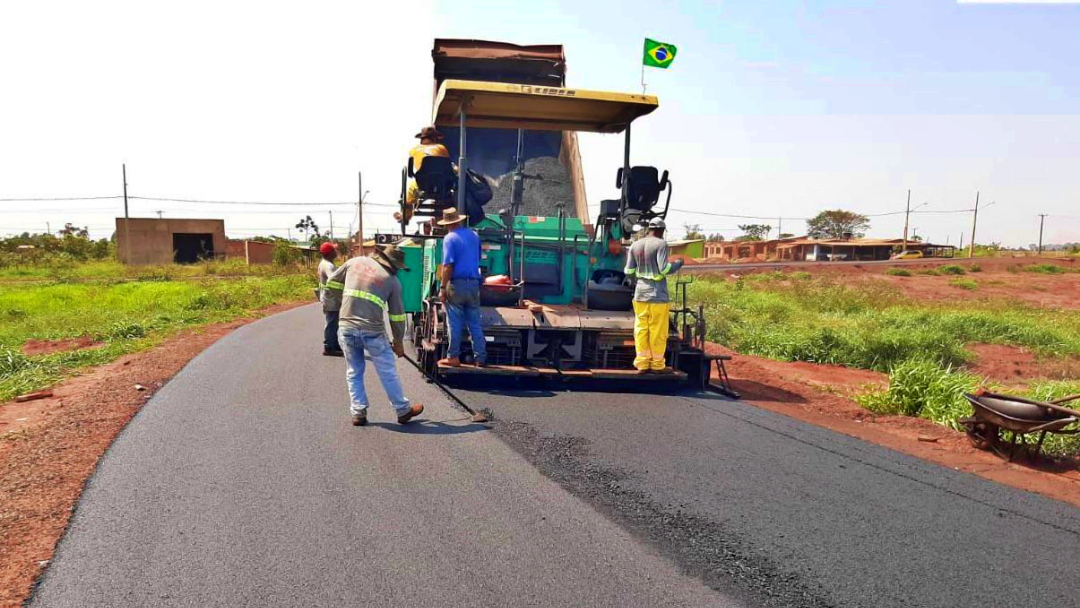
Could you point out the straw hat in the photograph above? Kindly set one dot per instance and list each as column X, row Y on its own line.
column 451, row 217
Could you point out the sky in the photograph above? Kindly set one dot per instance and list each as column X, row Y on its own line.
column 772, row 109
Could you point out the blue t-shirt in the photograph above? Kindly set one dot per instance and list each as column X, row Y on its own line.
column 462, row 249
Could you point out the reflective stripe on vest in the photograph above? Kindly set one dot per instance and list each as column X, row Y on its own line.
column 333, row 285
column 363, row 295
column 397, row 318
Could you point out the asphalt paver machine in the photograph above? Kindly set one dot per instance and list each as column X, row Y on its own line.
column 554, row 299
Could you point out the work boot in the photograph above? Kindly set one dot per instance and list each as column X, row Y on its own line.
column 413, row 412
column 359, row 419
column 451, row 362
column 479, row 363
column 663, row 370
column 329, row 352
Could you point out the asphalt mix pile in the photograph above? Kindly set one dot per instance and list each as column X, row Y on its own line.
column 547, row 184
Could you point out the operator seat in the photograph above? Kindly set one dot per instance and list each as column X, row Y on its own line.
column 436, row 180
column 643, row 187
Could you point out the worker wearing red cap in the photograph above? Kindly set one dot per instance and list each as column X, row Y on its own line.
column 331, row 300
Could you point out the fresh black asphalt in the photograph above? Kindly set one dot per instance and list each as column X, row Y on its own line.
column 242, row 484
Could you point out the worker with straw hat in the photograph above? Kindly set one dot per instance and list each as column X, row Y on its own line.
column 460, row 288
column 370, row 289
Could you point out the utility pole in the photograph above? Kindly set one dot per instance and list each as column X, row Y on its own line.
column 1042, row 218
column 907, row 214
column 360, row 212
column 974, row 222
column 127, row 219
column 158, row 214
column 961, row 246
column 331, row 225
column 48, row 228
column 779, row 228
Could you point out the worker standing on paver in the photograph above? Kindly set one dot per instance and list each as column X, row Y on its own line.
column 370, row 290
column 331, row 301
column 460, row 288
column 648, row 262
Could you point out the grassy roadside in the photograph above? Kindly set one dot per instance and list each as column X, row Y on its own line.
column 872, row 325
column 123, row 310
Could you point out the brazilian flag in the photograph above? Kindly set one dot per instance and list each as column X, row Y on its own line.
column 658, row 54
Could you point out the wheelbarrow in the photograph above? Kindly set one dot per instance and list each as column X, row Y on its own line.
column 995, row 412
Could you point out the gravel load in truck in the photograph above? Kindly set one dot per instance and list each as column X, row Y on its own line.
column 547, row 184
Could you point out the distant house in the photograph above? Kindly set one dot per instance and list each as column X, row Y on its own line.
column 691, row 248
column 142, row 240
column 802, row 248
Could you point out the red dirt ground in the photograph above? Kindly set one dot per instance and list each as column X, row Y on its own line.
column 47, row 347
column 1013, row 365
column 49, row 448
column 817, row 398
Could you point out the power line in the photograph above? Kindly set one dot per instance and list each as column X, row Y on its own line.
column 267, row 203
column 74, row 198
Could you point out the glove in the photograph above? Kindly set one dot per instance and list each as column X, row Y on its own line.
column 399, row 348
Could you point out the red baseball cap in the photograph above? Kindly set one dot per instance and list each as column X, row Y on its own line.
column 327, row 248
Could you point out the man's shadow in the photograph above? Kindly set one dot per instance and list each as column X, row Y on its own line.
column 430, row 427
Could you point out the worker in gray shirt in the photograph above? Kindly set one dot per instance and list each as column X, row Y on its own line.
column 370, row 291
column 331, row 301
column 647, row 261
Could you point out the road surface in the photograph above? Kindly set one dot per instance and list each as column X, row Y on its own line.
column 241, row 483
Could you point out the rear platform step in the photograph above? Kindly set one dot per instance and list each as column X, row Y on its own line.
column 550, row 372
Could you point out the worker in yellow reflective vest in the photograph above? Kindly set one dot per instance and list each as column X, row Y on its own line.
column 370, row 289
column 647, row 261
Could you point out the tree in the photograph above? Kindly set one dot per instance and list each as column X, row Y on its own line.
column 715, row 238
column 837, row 223
column 70, row 229
column 309, row 228
column 693, row 232
column 754, row 232
column 786, row 235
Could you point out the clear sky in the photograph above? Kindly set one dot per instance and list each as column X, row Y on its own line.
column 773, row 109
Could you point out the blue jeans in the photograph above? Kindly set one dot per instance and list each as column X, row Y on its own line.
column 330, row 331
column 357, row 341
column 463, row 310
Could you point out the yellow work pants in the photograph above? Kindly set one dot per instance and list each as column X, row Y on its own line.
column 650, row 334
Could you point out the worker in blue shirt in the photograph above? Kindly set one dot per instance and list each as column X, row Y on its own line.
column 460, row 288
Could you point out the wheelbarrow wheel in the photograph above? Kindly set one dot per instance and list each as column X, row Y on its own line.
column 982, row 435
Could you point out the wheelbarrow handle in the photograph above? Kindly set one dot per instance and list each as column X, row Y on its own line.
column 1066, row 399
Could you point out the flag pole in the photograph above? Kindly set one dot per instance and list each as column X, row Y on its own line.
column 642, row 77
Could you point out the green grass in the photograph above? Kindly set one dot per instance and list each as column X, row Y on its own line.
column 1045, row 269
column 898, row 272
column 952, row 269
column 974, row 268
column 125, row 315
column 967, row 284
column 872, row 325
column 933, row 272
column 113, row 271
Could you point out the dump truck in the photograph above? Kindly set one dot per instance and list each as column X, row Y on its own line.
column 555, row 301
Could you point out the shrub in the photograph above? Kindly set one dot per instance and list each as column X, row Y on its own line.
column 934, row 272
column 1045, row 269
column 967, row 284
column 974, row 268
column 285, row 254
column 898, row 272
column 921, row 387
column 953, row 269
